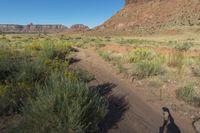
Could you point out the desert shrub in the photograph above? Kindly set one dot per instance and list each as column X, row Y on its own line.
column 196, row 69
column 100, row 45
column 20, row 86
column 52, row 52
column 10, row 64
column 135, row 41
column 106, row 55
column 141, row 54
column 78, row 38
column 120, row 68
column 4, row 41
column 83, row 75
column 108, row 38
column 184, row 47
column 64, row 106
column 14, row 97
column 147, row 68
column 145, row 63
column 64, row 37
column 176, row 59
column 33, row 72
column 79, row 75
column 54, row 49
column 46, row 95
column 16, row 37
column 56, row 64
column 187, row 93
column 20, row 75
column 155, row 83
column 35, row 47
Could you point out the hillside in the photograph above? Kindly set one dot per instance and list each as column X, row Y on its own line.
column 153, row 15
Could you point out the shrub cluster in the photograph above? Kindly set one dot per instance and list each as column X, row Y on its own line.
column 63, row 106
column 145, row 63
column 47, row 95
column 187, row 93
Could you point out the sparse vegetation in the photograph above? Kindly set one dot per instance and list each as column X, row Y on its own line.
column 105, row 55
column 35, row 70
column 187, row 93
column 147, row 68
column 141, row 54
column 177, row 59
column 136, row 41
column 184, row 47
column 145, row 63
column 155, row 83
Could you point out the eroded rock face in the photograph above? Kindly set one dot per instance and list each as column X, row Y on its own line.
column 31, row 28
column 79, row 27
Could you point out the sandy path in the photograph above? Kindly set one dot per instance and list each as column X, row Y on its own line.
column 129, row 113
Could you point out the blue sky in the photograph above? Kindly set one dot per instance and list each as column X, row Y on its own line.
column 67, row 12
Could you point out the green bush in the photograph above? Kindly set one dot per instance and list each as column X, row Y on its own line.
column 184, row 47
column 51, row 51
column 155, row 83
column 177, row 59
column 45, row 93
column 187, row 93
column 135, row 41
column 63, row 106
column 83, row 75
column 196, row 68
column 20, row 74
column 14, row 97
column 147, row 68
column 106, row 55
column 145, row 63
column 20, row 86
column 10, row 63
column 141, row 54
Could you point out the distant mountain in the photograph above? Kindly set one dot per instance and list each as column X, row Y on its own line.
column 152, row 15
column 31, row 28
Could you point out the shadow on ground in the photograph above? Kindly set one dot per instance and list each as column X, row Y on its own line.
column 73, row 60
column 169, row 125
column 117, row 106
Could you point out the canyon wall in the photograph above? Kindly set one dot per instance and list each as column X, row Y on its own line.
column 31, row 28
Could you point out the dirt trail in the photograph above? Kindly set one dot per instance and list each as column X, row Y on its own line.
column 129, row 113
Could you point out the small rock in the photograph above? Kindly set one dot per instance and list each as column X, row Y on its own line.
column 197, row 126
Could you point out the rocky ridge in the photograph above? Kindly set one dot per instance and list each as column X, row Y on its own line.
column 152, row 15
